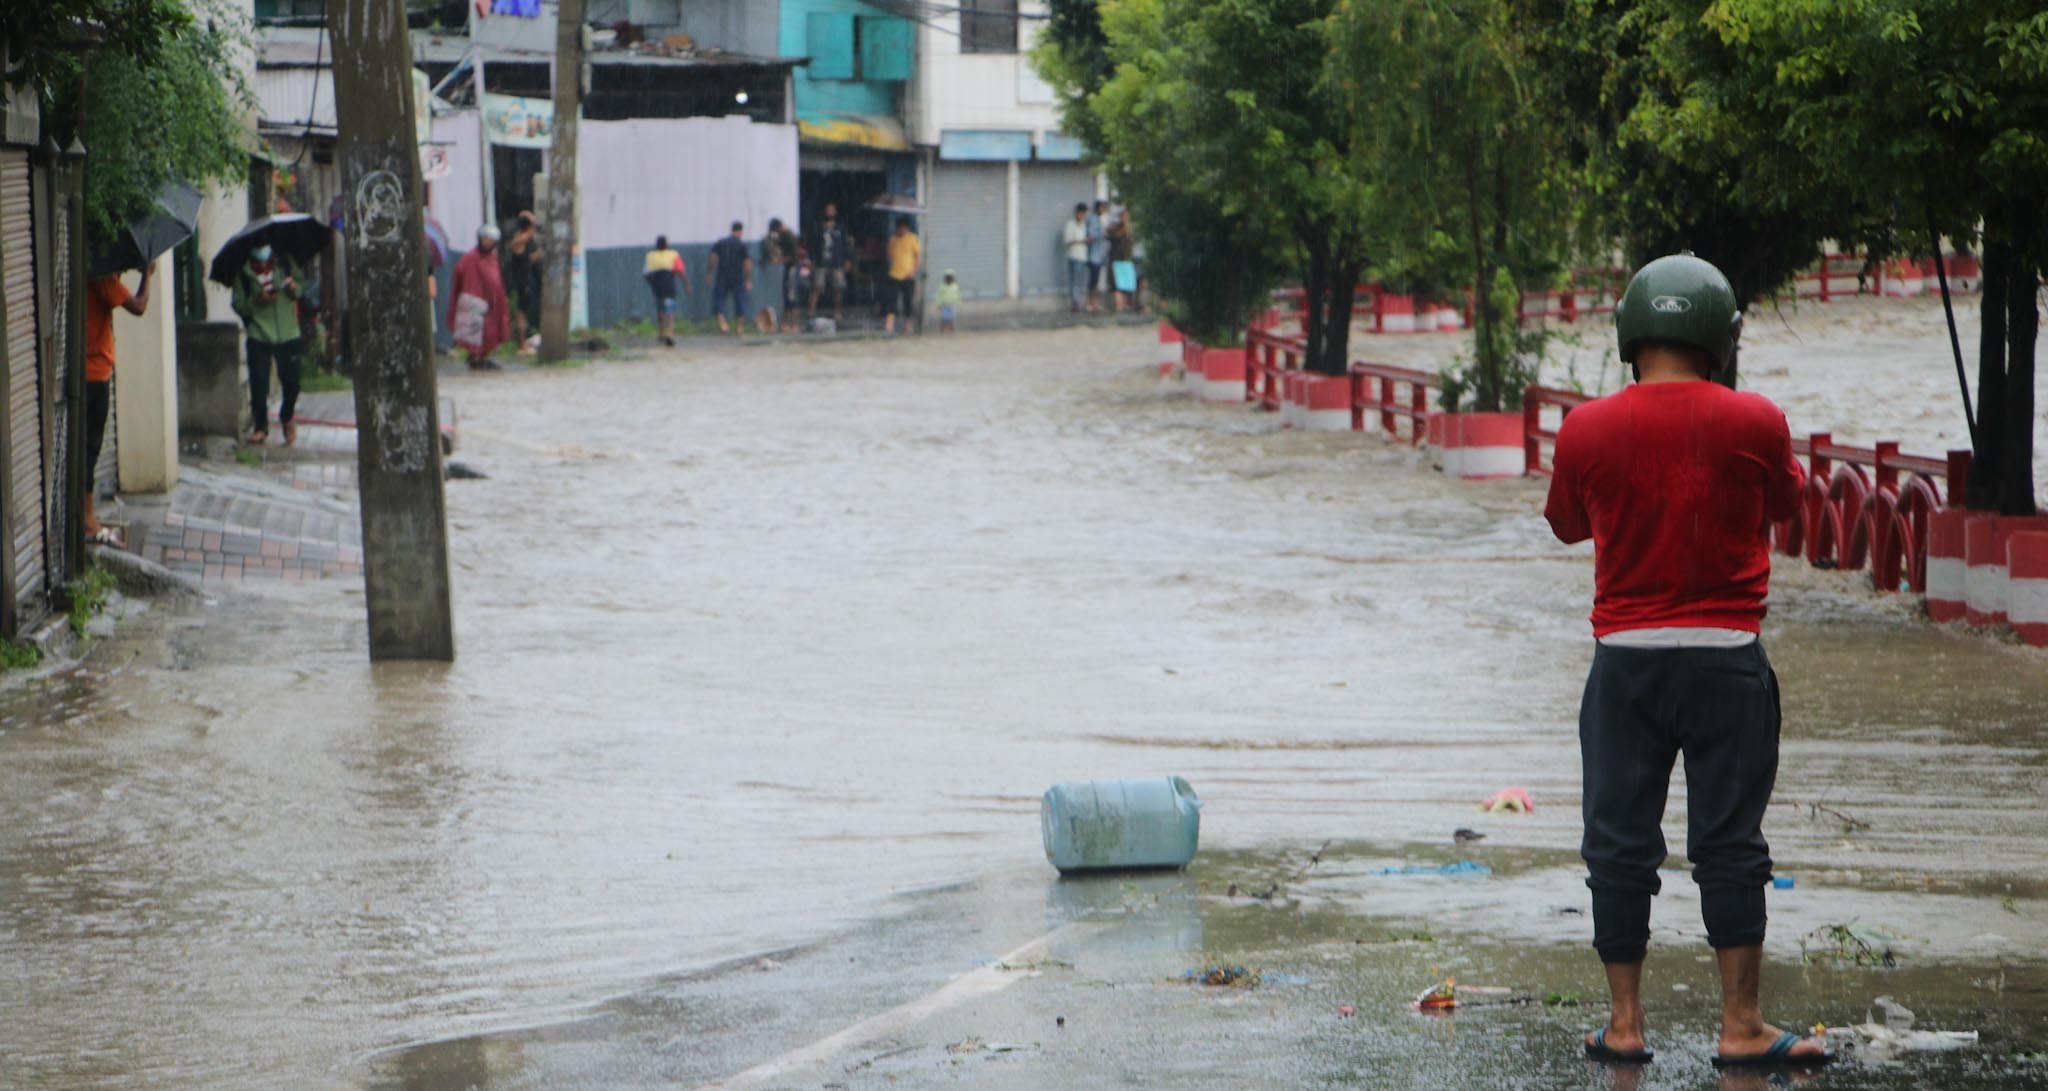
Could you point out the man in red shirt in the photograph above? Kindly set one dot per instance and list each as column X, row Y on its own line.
column 1677, row 479
column 102, row 298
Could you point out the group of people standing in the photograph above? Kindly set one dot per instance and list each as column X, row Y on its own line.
column 807, row 277
column 1098, row 242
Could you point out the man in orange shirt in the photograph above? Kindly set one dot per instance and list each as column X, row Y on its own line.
column 101, row 298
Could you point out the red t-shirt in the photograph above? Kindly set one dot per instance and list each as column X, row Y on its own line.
column 1676, row 483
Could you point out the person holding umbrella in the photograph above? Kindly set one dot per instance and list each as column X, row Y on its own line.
column 102, row 298
column 267, row 300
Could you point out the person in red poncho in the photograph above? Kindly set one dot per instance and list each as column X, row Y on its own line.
column 476, row 302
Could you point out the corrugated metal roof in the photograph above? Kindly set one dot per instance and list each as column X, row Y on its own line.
column 295, row 97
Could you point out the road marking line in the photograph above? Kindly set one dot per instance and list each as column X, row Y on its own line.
column 979, row 982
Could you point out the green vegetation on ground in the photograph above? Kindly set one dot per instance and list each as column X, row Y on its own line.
column 87, row 596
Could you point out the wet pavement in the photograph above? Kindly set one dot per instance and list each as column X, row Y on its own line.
column 766, row 654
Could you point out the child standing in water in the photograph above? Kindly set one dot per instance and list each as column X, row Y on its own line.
column 949, row 302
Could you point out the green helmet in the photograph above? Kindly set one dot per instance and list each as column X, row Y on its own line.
column 1680, row 299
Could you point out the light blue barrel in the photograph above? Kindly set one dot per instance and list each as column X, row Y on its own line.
column 1140, row 822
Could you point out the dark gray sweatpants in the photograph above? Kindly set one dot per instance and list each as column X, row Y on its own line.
column 1642, row 709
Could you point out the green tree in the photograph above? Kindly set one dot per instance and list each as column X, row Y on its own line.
column 1214, row 266
column 1447, row 135
column 1226, row 99
column 160, row 104
column 1666, row 151
column 1933, row 115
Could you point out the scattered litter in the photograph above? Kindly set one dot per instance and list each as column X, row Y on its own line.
column 1850, row 823
column 1462, row 867
column 1010, row 1047
column 1563, row 1000
column 1509, row 801
column 1442, row 996
column 1223, row 977
column 1347, row 1011
column 1681, row 987
column 1060, row 1021
column 1850, row 944
column 1782, row 882
column 1273, row 888
column 1896, row 1034
column 971, row 1045
column 1569, row 911
column 2009, row 904
column 1465, row 837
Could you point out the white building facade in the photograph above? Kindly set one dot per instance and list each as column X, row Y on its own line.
column 1000, row 180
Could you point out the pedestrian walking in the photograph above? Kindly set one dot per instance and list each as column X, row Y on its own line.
column 476, row 301
column 906, row 253
column 102, row 299
column 266, row 297
column 834, row 257
column 665, row 272
column 1098, row 252
column 521, row 272
column 949, row 302
column 732, row 270
column 1676, row 480
column 1074, row 235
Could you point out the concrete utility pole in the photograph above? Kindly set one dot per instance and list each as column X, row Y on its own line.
column 391, row 338
column 561, row 219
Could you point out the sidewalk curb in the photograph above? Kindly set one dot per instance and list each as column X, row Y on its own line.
column 143, row 578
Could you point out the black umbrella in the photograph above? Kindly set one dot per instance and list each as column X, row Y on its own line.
column 171, row 222
column 295, row 234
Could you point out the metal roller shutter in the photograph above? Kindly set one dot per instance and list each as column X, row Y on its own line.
column 1047, row 194
column 968, row 227
column 24, row 380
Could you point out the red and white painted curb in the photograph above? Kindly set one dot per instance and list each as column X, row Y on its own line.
column 1984, row 585
column 1317, row 403
column 2027, row 585
column 1989, row 581
column 1477, row 446
column 1397, row 314
column 1222, row 372
column 1947, row 572
column 1169, row 357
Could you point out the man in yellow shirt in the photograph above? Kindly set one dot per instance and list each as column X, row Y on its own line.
column 905, row 254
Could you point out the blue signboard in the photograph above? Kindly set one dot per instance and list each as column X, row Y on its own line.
column 986, row 145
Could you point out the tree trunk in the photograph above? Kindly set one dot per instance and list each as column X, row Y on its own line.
column 2023, row 323
column 1336, row 358
column 1314, row 286
column 1988, row 443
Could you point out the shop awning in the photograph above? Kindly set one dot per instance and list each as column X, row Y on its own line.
column 853, row 131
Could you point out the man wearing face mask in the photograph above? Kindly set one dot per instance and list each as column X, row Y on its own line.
column 267, row 299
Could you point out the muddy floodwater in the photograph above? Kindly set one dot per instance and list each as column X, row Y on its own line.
column 772, row 650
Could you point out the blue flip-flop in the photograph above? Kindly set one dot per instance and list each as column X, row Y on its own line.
column 1599, row 1050
column 1780, row 1055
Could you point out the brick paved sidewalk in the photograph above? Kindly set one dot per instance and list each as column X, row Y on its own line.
column 289, row 519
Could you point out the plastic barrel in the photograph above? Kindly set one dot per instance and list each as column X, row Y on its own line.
column 1143, row 822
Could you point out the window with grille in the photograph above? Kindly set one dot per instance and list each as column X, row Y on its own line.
column 988, row 26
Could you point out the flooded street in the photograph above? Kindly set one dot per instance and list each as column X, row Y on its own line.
column 773, row 649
